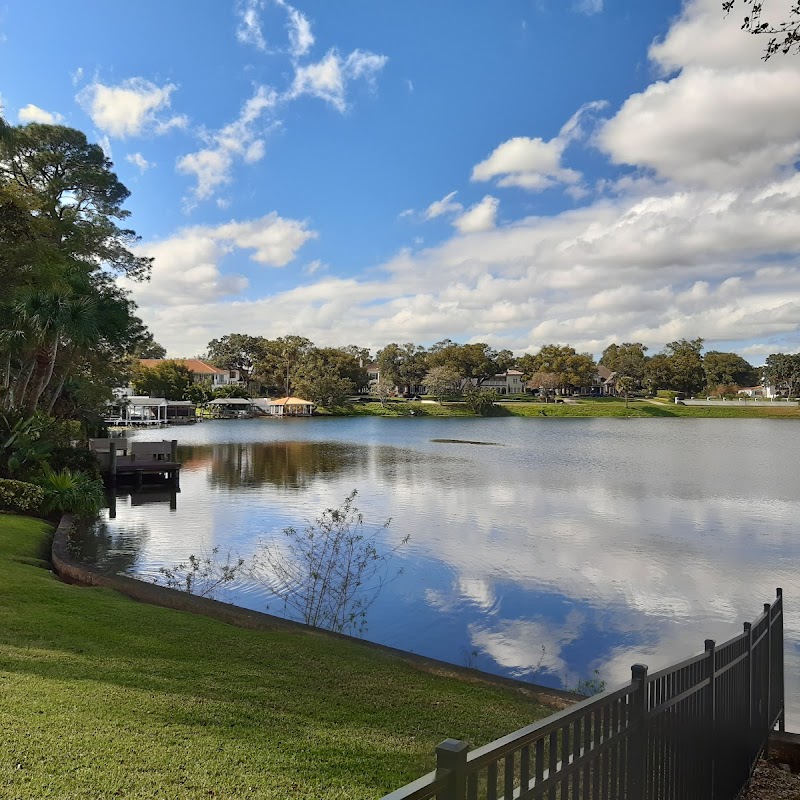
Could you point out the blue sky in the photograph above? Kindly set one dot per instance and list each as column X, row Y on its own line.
column 518, row 172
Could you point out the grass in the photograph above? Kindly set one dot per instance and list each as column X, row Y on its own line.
column 583, row 407
column 400, row 408
column 102, row 697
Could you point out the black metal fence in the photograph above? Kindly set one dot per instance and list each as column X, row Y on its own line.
column 692, row 731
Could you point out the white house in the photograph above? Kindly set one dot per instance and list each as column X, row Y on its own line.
column 201, row 371
column 508, row 382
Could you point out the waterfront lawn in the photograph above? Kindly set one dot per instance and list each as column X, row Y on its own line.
column 103, row 697
column 581, row 407
column 400, row 408
column 615, row 407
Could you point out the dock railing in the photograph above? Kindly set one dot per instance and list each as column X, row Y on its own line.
column 692, row 731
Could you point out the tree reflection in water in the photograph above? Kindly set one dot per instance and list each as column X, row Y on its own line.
column 281, row 464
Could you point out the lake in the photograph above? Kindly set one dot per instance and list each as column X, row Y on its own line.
column 560, row 547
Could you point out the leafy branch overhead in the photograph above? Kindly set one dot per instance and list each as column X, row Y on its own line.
column 785, row 35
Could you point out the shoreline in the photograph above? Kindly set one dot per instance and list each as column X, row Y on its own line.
column 75, row 572
column 578, row 408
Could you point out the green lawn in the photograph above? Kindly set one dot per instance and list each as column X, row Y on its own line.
column 102, row 697
column 583, row 407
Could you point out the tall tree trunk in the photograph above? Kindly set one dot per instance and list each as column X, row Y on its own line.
column 45, row 358
column 20, row 386
column 57, row 392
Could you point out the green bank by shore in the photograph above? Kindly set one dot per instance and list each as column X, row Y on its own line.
column 104, row 697
column 599, row 407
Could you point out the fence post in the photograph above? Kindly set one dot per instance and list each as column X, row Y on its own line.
column 637, row 734
column 112, row 463
column 781, row 687
column 711, row 710
column 748, row 629
column 451, row 756
column 768, row 715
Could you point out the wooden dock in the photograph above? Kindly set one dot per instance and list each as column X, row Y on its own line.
column 137, row 462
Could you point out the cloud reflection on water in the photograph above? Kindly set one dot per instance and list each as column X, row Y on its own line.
column 609, row 542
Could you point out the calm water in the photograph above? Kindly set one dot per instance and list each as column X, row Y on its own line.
column 567, row 546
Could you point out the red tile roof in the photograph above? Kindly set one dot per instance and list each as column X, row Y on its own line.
column 194, row 365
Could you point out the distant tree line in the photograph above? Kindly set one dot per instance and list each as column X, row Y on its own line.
column 328, row 375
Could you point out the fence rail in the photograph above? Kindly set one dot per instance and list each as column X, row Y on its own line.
column 692, row 731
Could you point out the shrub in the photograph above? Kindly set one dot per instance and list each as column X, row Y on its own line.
column 59, row 432
column 20, row 496
column 75, row 459
column 331, row 572
column 201, row 576
column 481, row 401
column 72, row 492
column 22, row 446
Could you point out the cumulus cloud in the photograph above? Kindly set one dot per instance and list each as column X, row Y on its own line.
column 212, row 166
column 186, row 269
column 138, row 160
column 725, row 119
column 480, row 217
column 710, row 128
column 132, row 108
column 650, row 268
column 32, row 113
column 328, row 78
column 275, row 240
column 692, row 241
column 535, row 164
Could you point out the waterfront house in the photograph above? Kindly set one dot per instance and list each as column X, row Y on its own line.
column 752, row 391
column 508, row 382
column 202, row 373
column 605, row 381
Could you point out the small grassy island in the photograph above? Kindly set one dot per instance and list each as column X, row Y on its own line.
column 104, row 697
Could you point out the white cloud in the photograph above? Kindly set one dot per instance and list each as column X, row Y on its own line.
column 248, row 30
column 186, row 269
column 708, row 127
column 138, row 160
column 447, row 205
column 301, row 39
column 134, row 107
column 535, row 164
column 589, row 6
column 77, row 76
column 669, row 249
column 726, row 119
column 32, row 113
column 105, row 144
column 274, row 239
column 327, row 79
column 212, row 166
column 480, row 217
column 649, row 268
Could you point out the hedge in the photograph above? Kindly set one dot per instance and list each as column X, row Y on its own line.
column 20, row 496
